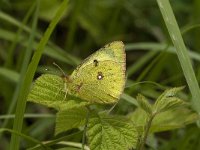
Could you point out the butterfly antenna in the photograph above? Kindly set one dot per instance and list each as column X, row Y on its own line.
column 65, row 86
column 60, row 69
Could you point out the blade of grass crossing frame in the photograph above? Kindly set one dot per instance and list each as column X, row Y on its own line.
column 25, row 62
column 29, row 138
column 159, row 47
column 11, row 49
column 70, row 59
column 21, row 103
column 181, row 50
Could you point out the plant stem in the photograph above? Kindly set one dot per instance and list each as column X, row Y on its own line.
column 84, row 132
column 146, row 131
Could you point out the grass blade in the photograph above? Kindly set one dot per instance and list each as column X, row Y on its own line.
column 21, row 103
column 181, row 50
column 27, row 57
column 25, row 137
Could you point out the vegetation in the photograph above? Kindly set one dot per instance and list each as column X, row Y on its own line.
column 160, row 106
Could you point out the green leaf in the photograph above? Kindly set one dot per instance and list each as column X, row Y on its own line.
column 172, row 119
column 167, row 100
column 49, row 90
column 170, row 92
column 169, row 103
column 71, row 118
column 111, row 133
column 168, row 120
column 144, row 104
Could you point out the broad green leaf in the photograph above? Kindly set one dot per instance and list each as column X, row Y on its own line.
column 172, row 119
column 169, row 103
column 49, row 90
column 170, row 92
column 164, row 121
column 111, row 133
column 144, row 104
column 167, row 100
column 71, row 118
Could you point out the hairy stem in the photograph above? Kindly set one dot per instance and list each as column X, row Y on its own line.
column 84, row 132
column 146, row 131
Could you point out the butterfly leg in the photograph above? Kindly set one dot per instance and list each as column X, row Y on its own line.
column 62, row 89
column 65, row 91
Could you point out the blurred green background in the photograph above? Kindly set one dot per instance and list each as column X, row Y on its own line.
column 86, row 26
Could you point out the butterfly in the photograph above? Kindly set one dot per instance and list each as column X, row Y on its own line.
column 100, row 78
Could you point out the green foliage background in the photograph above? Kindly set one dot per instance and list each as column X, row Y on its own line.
column 85, row 26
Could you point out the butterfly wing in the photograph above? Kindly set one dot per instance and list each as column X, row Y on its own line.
column 101, row 77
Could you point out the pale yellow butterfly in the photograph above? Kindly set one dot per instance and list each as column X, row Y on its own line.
column 100, row 78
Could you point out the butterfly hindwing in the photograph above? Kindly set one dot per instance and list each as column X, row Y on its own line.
column 101, row 77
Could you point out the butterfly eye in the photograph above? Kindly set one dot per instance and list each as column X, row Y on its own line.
column 100, row 76
column 95, row 63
